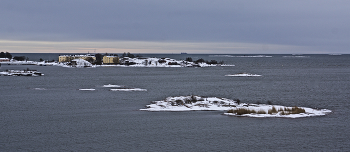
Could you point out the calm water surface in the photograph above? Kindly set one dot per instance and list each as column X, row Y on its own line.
column 59, row 117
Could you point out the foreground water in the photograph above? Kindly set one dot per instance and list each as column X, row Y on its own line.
column 50, row 113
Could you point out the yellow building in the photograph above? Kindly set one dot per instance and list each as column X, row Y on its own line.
column 110, row 60
column 64, row 58
column 68, row 58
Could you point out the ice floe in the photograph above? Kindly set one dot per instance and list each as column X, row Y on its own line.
column 39, row 89
column 227, row 65
column 296, row 56
column 112, row 86
column 243, row 75
column 87, row 89
column 122, row 88
column 129, row 89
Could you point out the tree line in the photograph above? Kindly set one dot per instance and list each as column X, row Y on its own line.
column 9, row 56
column 5, row 55
column 189, row 59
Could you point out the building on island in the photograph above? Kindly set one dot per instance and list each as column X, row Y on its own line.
column 69, row 58
column 110, row 59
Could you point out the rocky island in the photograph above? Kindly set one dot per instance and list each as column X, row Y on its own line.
column 166, row 62
column 232, row 107
column 21, row 73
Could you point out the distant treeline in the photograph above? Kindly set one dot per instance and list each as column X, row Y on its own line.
column 189, row 59
column 5, row 55
column 9, row 56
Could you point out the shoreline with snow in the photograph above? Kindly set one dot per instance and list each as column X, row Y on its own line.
column 21, row 73
column 126, row 62
column 232, row 107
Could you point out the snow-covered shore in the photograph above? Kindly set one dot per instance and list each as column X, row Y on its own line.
column 197, row 103
column 14, row 62
column 163, row 62
column 21, row 73
column 126, row 62
column 43, row 63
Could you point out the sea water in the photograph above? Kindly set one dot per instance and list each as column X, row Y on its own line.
column 50, row 113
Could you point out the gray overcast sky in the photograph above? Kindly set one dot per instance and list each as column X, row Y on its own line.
column 173, row 26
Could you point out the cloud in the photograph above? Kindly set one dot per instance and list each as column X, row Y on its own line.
column 317, row 24
column 146, row 47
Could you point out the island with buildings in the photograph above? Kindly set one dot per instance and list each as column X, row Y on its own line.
column 124, row 60
column 131, row 60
